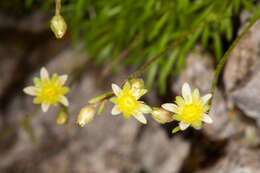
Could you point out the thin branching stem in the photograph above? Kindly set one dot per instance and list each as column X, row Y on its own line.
column 103, row 100
column 224, row 58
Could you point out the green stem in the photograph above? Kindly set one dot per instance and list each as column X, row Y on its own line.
column 103, row 100
column 58, row 6
column 224, row 58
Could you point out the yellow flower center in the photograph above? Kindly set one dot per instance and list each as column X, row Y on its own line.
column 190, row 113
column 127, row 103
column 50, row 91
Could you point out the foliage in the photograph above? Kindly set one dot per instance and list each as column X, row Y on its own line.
column 110, row 27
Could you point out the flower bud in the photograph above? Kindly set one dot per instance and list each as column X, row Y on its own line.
column 62, row 118
column 85, row 116
column 161, row 116
column 58, row 26
column 137, row 83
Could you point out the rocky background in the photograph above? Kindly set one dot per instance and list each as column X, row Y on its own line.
column 111, row 144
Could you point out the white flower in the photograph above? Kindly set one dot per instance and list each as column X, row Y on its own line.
column 48, row 90
column 191, row 109
column 126, row 102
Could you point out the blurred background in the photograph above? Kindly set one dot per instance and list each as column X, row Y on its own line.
column 106, row 41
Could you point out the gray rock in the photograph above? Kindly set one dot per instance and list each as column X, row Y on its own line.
column 247, row 97
column 162, row 155
column 242, row 73
column 10, row 54
column 238, row 159
column 34, row 23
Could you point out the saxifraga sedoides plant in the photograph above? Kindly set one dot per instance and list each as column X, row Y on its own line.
column 142, row 29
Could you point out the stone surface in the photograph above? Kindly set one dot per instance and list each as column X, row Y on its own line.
column 242, row 72
column 36, row 20
column 159, row 154
column 7, row 68
column 239, row 159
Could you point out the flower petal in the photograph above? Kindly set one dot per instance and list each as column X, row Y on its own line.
column 126, row 115
column 115, row 111
column 127, row 86
column 37, row 81
column 206, row 98
column 183, row 125
column 205, row 108
column 145, row 108
column 180, row 101
column 170, row 107
column 44, row 73
column 140, row 117
column 196, row 95
column 63, row 78
column 138, row 92
column 64, row 101
column 197, row 125
column 207, row 119
column 30, row 90
column 37, row 100
column 116, row 89
column 186, row 93
column 45, row 107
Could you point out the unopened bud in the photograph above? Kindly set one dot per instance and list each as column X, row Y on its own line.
column 161, row 116
column 85, row 116
column 58, row 26
column 62, row 118
column 137, row 83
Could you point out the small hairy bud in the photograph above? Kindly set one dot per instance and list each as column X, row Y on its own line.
column 58, row 26
column 161, row 116
column 62, row 118
column 137, row 83
column 86, row 115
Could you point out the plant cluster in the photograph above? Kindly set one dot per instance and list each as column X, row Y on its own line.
column 189, row 110
column 180, row 21
column 135, row 31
